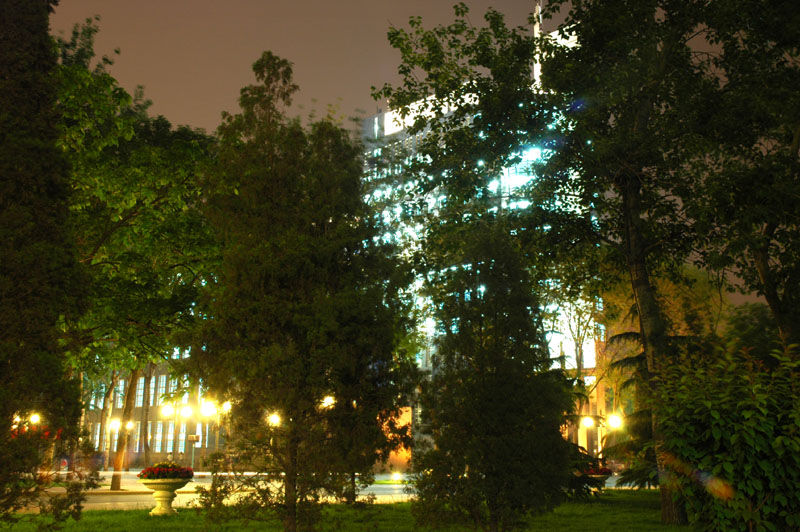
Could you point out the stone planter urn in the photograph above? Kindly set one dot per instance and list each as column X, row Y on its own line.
column 164, row 493
column 601, row 478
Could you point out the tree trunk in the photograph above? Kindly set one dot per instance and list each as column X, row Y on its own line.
column 350, row 491
column 786, row 325
column 122, row 439
column 290, row 488
column 105, row 418
column 148, row 374
column 73, row 447
column 653, row 332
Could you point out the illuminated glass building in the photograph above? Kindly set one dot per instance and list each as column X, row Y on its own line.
column 570, row 335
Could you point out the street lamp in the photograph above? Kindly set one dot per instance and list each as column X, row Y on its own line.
column 35, row 419
column 614, row 421
column 328, row 401
column 587, row 422
column 274, row 419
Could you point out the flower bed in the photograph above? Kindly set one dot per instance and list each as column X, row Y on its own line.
column 166, row 470
column 596, row 470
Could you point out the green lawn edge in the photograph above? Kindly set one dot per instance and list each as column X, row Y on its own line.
column 627, row 510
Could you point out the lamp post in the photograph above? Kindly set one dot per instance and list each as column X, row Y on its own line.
column 128, row 450
column 192, row 438
column 169, row 411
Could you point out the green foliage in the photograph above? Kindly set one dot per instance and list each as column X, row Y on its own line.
column 491, row 409
column 42, row 287
column 303, row 305
column 745, row 179
column 751, row 327
column 732, row 439
column 136, row 185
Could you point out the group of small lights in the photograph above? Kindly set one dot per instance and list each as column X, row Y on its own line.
column 115, row 424
column 207, row 409
column 274, row 419
column 34, row 419
column 614, row 421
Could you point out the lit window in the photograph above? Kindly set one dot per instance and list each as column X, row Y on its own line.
column 159, row 435
column 140, row 392
column 162, row 388
column 120, row 393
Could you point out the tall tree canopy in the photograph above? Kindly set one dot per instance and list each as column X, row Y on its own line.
column 42, row 286
column 610, row 116
column 301, row 318
column 136, row 189
column 744, row 197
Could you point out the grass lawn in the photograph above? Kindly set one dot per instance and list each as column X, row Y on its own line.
column 615, row 510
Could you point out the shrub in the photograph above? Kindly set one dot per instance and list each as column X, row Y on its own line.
column 731, row 431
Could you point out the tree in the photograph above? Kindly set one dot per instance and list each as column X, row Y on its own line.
column 41, row 282
column 612, row 117
column 744, row 197
column 492, row 409
column 299, row 322
column 694, row 306
column 136, row 189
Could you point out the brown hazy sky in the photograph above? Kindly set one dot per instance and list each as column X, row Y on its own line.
column 193, row 56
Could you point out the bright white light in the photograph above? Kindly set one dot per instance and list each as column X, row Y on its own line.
column 492, row 186
column 532, row 154
column 397, row 477
column 114, row 424
column 614, row 421
column 167, row 411
column 186, row 411
column 587, row 422
column 208, row 408
column 129, row 425
column 35, row 418
column 226, row 406
column 274, row 420
column 328, row 401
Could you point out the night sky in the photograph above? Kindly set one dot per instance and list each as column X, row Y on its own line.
column 193, row 56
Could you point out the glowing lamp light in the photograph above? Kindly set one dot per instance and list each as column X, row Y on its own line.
column 274, row 420
column 129, row 425
column 115, row 424
column 208, row 409
column 35, row 418
column 587, row 422
column 226, row 406
column 168, row 411
column 397, row 477
column 186, row 411
column 328, row 401
column 614, row 421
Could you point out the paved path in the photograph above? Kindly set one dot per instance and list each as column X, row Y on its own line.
column 135, row 496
